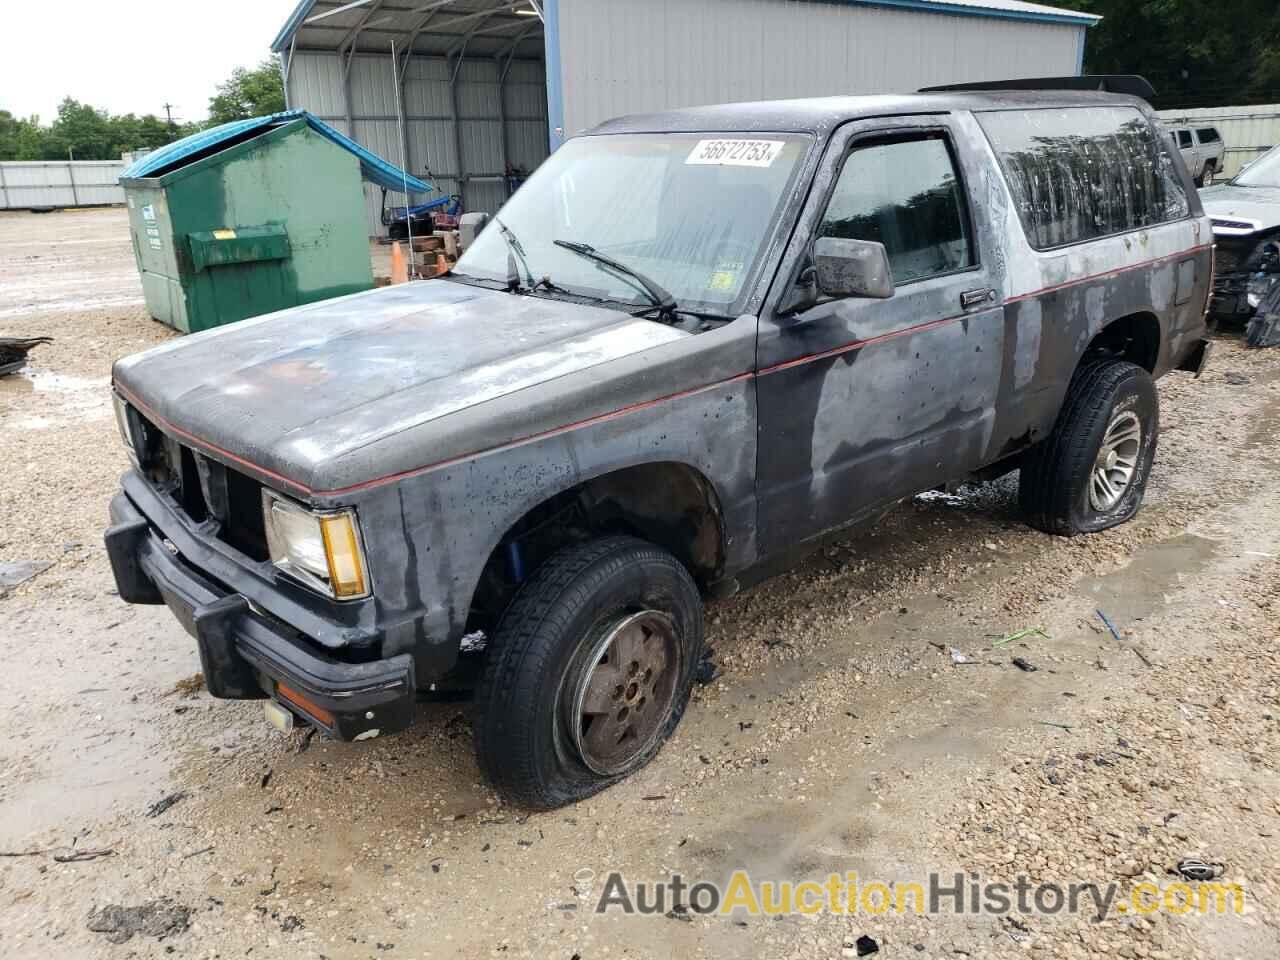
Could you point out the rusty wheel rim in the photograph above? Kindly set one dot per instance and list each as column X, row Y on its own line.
column 623, row 695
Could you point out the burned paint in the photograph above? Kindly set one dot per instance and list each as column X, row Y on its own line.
column 448, row 415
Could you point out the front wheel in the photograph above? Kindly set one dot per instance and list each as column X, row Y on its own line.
column 588, row 672
column 1091, row 472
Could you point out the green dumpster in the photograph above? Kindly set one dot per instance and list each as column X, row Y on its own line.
column 250, row 218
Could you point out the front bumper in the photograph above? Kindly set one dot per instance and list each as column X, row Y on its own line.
column 247, row 654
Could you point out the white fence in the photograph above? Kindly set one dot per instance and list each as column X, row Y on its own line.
column 1248, row 132
column 25, row 185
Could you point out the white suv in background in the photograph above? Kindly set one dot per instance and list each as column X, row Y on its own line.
column 1202, row 150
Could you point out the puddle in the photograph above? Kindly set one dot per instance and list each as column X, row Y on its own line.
column 54, row 398
column 1139, row 589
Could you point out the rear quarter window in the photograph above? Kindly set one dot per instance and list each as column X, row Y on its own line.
column 1208, row 135
column 1079, row 173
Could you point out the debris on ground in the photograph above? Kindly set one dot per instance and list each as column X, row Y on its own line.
column 82, row 856
column 14, row 350
column 17, row 572
column 707, row 670
column 188, row 686
column 957, row 657
column 1236, row 379
column 1192, row 869
column 1024, row 665
column 157, row 918
column 164, row 803
column 864, row 946
column 1111, row 626
column 1020, row 635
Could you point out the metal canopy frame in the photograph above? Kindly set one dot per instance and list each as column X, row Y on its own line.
column 350, row 26
column 492, row 31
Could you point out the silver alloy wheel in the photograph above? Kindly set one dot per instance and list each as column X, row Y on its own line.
column 1117, row 460
column 623, row 694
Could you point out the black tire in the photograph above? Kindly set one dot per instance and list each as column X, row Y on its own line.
column 1054, row 488
column 522, row 741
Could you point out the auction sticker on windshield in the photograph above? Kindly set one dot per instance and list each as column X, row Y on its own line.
column 736, row 153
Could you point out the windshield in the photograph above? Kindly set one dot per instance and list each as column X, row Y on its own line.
column 1264, row 172
column 691, row 213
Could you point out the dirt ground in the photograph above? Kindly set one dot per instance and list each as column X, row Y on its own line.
column 840, row 735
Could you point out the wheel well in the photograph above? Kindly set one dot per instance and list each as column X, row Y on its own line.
column 1135, row 338
column 670, row 504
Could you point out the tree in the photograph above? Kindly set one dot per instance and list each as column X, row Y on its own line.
column 1195, row 54
column 81, row 131
column 19, row 138
column 85, row 133
column 248, row 93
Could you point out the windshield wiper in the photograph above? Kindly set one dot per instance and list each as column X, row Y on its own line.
column 662, row 300
column 514, row 249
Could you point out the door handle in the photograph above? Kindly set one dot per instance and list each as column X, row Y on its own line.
column 976, row 298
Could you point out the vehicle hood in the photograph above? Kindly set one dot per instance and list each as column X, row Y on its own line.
column 295, row 392
column 1260, row 204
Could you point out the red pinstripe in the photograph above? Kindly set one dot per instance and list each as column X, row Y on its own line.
column 621, row 411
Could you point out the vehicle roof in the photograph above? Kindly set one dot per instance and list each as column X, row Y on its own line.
column 819, row 115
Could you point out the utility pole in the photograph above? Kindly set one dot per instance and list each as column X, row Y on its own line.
column 168, row 114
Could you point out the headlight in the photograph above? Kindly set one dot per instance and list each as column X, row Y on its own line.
column 122, row 421
column 323, row 550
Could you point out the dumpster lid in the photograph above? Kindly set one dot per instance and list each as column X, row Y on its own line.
column 372, row 167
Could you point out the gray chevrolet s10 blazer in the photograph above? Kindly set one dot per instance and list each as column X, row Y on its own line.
column 689, row 347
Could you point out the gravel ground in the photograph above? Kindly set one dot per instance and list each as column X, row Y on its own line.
column 839, row 735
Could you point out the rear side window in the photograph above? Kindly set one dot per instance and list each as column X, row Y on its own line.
column 905, row 195
column 1208, row 135
column 1079, row 173
column 1184, row 138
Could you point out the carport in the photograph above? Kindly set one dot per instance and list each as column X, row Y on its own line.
column 481, row 86
column 453, row 89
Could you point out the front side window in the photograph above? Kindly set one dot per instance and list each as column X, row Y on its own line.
column 1184, row 138
column 1079, row 173
column 905, row 195
column 691, row 212
column 1208, row 135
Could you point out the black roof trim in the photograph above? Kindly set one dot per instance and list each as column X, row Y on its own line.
column 1127, row 83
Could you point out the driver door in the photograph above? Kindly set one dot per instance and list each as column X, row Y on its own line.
column 862, row 402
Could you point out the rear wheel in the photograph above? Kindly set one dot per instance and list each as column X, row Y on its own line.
column 588, row 672
column 1091, row 472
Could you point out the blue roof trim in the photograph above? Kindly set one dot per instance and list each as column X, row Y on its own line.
column 372, row 167
column 295, row 20
column 963, row 10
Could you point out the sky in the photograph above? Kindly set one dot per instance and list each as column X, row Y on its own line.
column 129, row 57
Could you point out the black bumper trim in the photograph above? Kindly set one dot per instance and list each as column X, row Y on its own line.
column 244, row 653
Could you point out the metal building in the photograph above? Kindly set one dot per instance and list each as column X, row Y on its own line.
column 485, row 86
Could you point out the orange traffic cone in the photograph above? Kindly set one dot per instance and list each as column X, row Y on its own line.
column 399, row 269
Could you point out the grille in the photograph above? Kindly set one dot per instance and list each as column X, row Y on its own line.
column 236, row 504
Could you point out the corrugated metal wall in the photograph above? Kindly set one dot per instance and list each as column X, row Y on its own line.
column 59, row 183
column 316, row 84
column 1248, row 132
column 626, row 56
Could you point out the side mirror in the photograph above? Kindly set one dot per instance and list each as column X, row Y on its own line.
column 852, row 268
